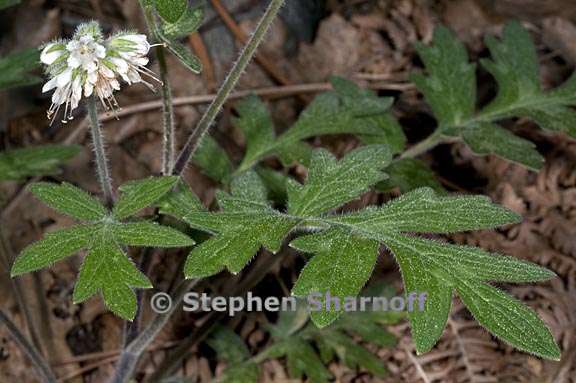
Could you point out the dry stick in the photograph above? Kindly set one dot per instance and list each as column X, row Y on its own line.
column 268, row 65
column 273, row 92
column 198, row 46
column 6, row 258
column 215, row 107
column 132, row 352
column 37, row 359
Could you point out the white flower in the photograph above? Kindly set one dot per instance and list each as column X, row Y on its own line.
column 87, row 64
column 128, row 56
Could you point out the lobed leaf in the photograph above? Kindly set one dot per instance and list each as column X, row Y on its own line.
column 489, row 138
column 341, row 267
column 423, row 211
column 450, row 88
column 509, row 319
column 256, row 124
column 331, row 183
column 69, row 200
column 108, row 270
column 53, row 248
column 436, row 269
column 140, row 194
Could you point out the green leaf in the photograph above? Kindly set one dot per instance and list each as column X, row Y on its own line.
column 237, row 242
column 18, row 164
column 346, row 110
column 213, row 160
column 140, row 194
column 514, row 65
column 171, row 10
column 149, row 234
column 108, row 270
column 179, row 202
column 257, row 126
column 232, row 350
column 422, row 211
column 8, row 3
column 509, row 320
column 352, row 354
column 69, row 200
column 409, row 174
column 450, row 87
column 189, row 60
column 275, row 183
column 188, row 23
column 341, row 268
column 53, row 248
column 491, row 139
column 391, row 133
column 436, row 269
column 301, row 360
column 332, row 183
column 14, row 68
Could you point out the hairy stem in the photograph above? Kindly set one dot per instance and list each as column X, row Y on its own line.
column 37, row 360
column 168, row 128
column 224, row 92
column 100, row 152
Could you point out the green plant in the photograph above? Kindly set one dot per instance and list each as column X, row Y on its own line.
column 262, row 208
column 293, row 337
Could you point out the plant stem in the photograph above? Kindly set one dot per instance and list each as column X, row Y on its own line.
column 168, row 128
column 37, row 360
column 100, row 152
column 228, row 86
column 131, row 353
column 423, row 146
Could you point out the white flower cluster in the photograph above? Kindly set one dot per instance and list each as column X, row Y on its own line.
column 88, row 64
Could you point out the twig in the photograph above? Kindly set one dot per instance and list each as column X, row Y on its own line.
column 195, row 40
column 37, row 360
column 261, row 59
column 6, row 258
column 100, row 152
column 208, row 118
column 417, row 365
